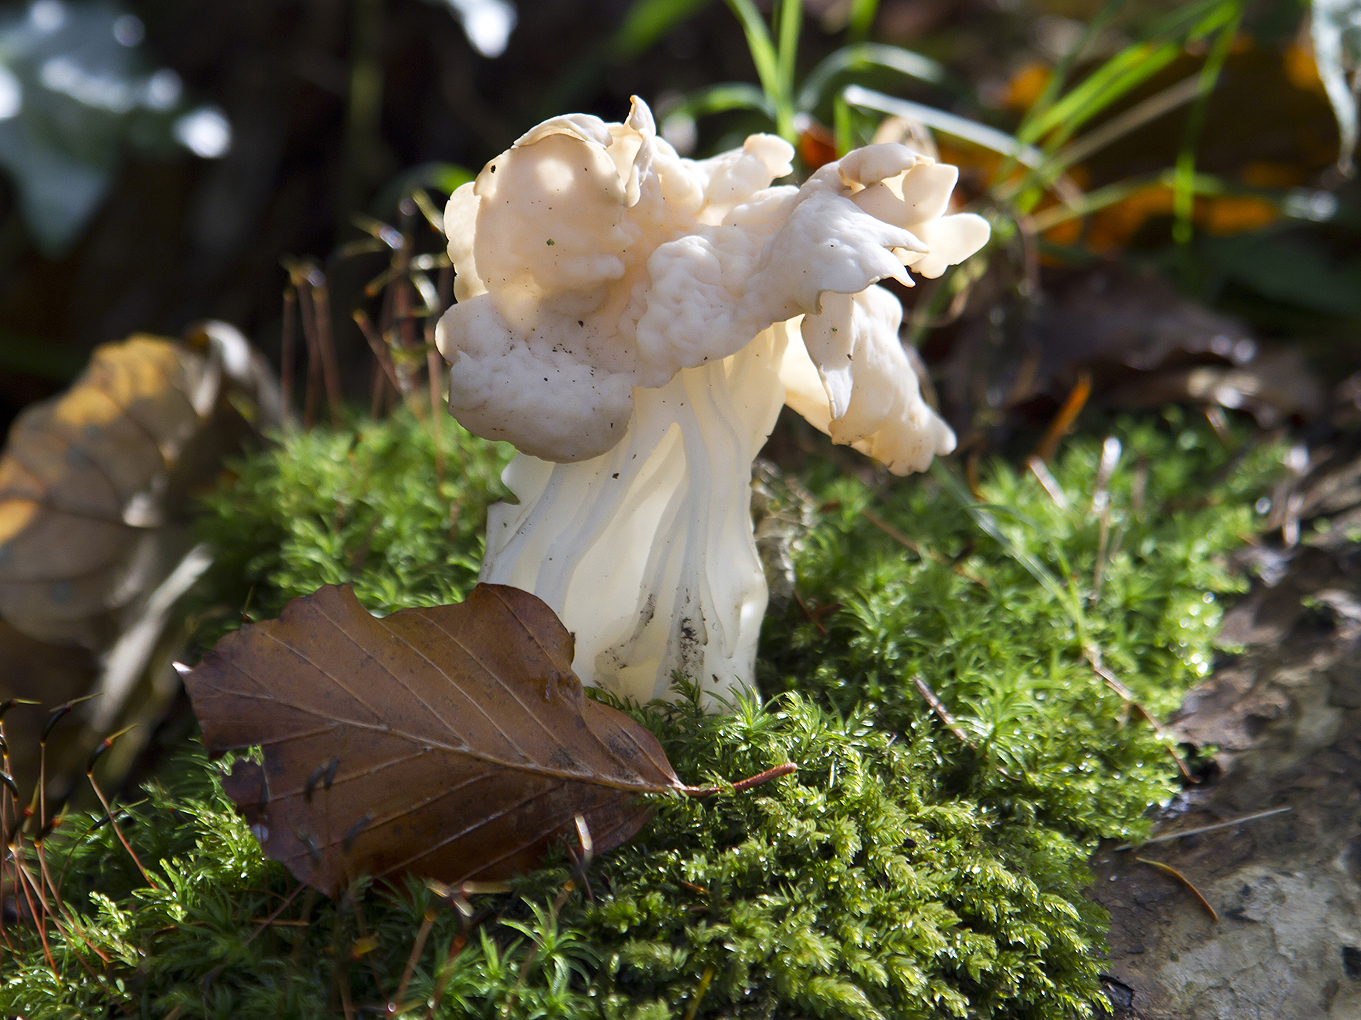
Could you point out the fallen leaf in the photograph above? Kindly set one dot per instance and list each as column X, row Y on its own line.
column 78, row 480
column 1011, row 365
column 451, row 742
column 96, row 488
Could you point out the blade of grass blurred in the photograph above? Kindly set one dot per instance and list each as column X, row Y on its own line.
column 1033, row 186
column 1183, row 196
column 1131, row 120
column 767, row 61
column 1110, row 82
column 1091, row 201
column 861, row 19
column 789, row 23
column 721, row 98
column 1059, row 78
column 1292, row 203
column 646, row 23
column 864, row 56
column 1129, row 68
column 842, row 129
column 945, row 122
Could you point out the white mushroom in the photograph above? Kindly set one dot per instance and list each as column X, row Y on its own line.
column 632, row 322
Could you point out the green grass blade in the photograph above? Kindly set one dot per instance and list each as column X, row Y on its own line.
column 945, row 122
column 762, row 49
column 861, row 19
column 734, row 95
column 790, row 24
column 1183, row 194
column 865, row 56
column 1059, row 78
column 1289, row 204
column 647, row 23
column 1127, row 69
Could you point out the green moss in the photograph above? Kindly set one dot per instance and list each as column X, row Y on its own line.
column 901, row 872
column 1004, row 627
column 359, row 507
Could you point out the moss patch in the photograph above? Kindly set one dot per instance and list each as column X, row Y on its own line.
column 901, row 872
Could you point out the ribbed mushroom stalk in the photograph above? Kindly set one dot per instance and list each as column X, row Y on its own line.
column 632, row 322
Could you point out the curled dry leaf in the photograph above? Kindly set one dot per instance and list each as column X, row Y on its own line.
column 451, row 742
column 95, row 547
column 92, row 479
column 1142, row 343
column 78, row 506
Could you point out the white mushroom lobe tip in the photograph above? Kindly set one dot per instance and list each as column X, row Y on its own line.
column 603, row 280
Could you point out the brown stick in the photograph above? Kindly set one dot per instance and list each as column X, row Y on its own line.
column 1169, row 870
column 108, row 811
column 380, row 350
column 307, row 314
column 41, row 919
column 287, row 341
column 379, row 390
column 704, row 980
column 395, row 1006
column 321, row 304
column 1063, row 421
column 743, row 785
column 1114, row 684
column 929, row 696
column 435, row 375
column 925, row 554
column 1169, row 836
column 274, row 916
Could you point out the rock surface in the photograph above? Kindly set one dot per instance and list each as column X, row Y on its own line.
column 1283, row 720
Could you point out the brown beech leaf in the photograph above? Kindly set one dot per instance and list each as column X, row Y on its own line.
column 451, row 742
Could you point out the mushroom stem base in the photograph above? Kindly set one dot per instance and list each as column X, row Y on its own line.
column 646, row 552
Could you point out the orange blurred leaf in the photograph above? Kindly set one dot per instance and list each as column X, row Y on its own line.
column 80, row 486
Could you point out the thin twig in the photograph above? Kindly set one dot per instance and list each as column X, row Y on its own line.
column 343, row 981
column 1168, row 869
column 379, row 391
column 944, row 715
column 1049, row 483
column 703, row 987
column 379, row 348
column 1168, row 837
column 287, row 342
column 456, row 946
column 427, row 922
column 364, row 935
column 274, row 916
column 915, row 548
column 742, row 785
column 814, row 619
column 557, row 904
column 41, row 919
column 321, row 308
column 108, row 811
column 1145, row 714
column 1063, row 421
column 307, row 314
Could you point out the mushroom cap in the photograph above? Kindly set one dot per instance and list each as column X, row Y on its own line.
column 592, row 259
